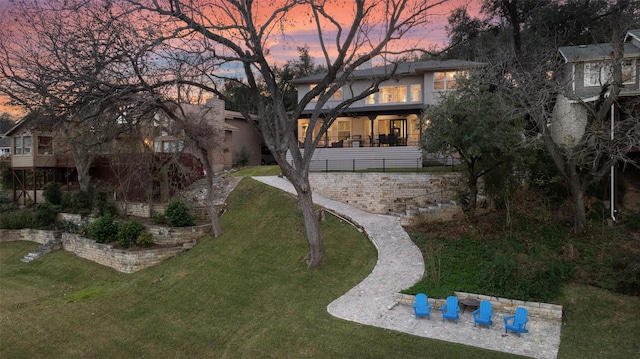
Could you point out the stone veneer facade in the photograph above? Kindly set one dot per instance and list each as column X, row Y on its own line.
column 385, row 192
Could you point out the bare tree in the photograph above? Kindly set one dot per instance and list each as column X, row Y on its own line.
column 77, row 63
column 239, row 32
column 610, row 129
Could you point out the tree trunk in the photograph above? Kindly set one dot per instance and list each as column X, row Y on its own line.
column 577, row 196
column 316, row 257
column 472, row 180
column 211, row 206
column 299, row 178
column 83, row 164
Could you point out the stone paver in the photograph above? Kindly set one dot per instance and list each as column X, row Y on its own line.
column 399, row 266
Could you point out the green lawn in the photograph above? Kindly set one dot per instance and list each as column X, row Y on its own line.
column 246, row 294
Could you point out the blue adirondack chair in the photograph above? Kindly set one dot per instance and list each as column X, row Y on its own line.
column 483, row 314
column 451, row 309
column 421, row 306
column 518, row 322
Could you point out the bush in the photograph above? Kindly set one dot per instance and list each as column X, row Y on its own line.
column 145, row 239
column 159, row 218
column 17, row 219
column 6, row 204
column 102, row 205
column 241, row 158
column 52, row 194
column 128, row 232
column 81, row 203
column 178, row 214
column 512, row 275
column 46, row 215
column 103, row 229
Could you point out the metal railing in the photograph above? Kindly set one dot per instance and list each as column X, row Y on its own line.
column 418, row 164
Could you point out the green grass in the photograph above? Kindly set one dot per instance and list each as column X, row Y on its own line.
column 245, row 294
column 257, row 171
column 599, row 324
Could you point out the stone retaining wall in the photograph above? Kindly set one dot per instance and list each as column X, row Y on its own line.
column 32, row 235
column 121, row 260
column 385, row 192
column 126, row 261
column 540, row 310
column 177, row 235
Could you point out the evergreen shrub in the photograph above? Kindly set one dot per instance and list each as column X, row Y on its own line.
column 178, row 214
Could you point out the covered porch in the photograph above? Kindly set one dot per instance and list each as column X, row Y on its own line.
column 378, row 126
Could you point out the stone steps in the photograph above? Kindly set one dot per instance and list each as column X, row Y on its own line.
column 46, row 248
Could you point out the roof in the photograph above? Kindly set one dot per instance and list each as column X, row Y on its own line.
column 398, row 109
column 633, row 33
column 599, row 52
column 404, row 68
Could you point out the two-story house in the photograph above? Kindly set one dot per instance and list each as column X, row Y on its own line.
column 586, row 72
column 586, row 69
column 389, row 117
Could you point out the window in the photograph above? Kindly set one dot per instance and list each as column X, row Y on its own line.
column 22, row 145
column 389, row 94
column 344, row 130
column 443, row 81
column 416, row 93
column 45, row 145
column 371, row 99
column 17, row 145
column 599, row 73
column 336, row 95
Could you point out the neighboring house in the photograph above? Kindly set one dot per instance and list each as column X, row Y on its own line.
column 39, row 156
column 389, row 117
column 586, row 68
column 36, row 158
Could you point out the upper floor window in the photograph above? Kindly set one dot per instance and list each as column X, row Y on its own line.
column 443, row 81
column 390, row 94
column 599, row 73
column 416, row 93
column 45, row 145
column 22, row 145
column 336, row 95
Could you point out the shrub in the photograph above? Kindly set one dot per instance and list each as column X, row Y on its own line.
column 17, row 219
column 128, row 232
column 103, row 229
column 178, row 214
column 6, row 204
column 80, row 202
column 241, row 157
column 46, row 215
column 52, row 194
column 66, row 202
column 102, row 205
column 159, row 218
column 145, row 239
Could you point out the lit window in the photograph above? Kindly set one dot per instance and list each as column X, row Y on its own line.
column 344, row 130
column 391, row 94
column 336, row 95
column 443, row 81
column 416, row 95
column 371, row 99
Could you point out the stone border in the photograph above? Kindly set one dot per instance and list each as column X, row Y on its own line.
column 181, row 239
column 540, row 310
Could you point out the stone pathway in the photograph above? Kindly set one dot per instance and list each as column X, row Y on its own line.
column 399, row 266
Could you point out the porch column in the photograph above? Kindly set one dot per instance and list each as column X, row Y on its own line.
column 372, row 118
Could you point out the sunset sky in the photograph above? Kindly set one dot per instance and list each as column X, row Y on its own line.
column 302, row 32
